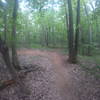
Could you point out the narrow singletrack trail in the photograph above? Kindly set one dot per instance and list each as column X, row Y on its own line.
column 61, row 69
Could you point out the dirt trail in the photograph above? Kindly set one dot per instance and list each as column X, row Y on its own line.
column 56, row 58
column 60, row 68
column 58, row 80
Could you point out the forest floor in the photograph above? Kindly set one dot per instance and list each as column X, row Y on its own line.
column 56, row 79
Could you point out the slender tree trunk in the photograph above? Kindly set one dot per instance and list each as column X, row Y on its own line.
column 46, row 36
column 90, row 41
column 14, row 53
column 77, row 31
column 70, row 32
column 53, row 36
column 89, row 32
column 66, row 14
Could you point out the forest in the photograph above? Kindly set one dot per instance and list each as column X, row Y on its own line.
column 49, row 50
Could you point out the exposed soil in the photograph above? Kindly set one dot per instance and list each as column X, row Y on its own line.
column 59, row 67
column 56, row 80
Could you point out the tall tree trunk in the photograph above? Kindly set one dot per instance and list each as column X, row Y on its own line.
column 77, row 31
column 89, row 32
column 70, row 32
column 66, row 14
column 14, row 53
column 73, row 45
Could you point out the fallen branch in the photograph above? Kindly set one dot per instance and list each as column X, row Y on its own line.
column 21, row 75
column 5, row 84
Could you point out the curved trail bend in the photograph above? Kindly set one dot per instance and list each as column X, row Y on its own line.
column 61, row 68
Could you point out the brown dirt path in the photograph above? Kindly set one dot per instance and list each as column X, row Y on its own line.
column 57, row 80
column 61, row 69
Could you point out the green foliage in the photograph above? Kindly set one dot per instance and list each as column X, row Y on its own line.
column 43, row 22
column 38, row 4
column 91, row 65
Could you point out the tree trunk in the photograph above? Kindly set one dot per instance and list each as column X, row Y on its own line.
column 73, row 45
column 46, row 36
column 89, row 32
column 67, row 16
column 77, row 31
column 5, row 54
column 4, row 50
column 14, row 53
column 70, row 32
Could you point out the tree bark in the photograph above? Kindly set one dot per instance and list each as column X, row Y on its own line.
column 5, row 54
column 14, row 53
column 77, row 31
column 70, row 32
column 89, row 32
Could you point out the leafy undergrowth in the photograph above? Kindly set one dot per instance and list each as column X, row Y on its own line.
column 91, row 65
